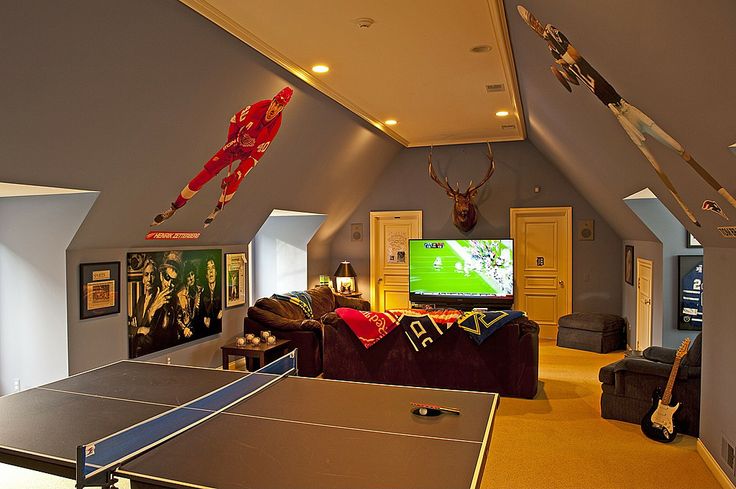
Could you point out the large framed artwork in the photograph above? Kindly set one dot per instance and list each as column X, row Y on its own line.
column 100, row 289
column 690, row 292
column 236, row 266
column 173, row 297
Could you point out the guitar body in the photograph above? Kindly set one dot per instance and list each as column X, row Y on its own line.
column 659, row 423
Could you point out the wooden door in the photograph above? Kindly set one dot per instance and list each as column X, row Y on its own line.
column 543, row 264
column 644, row 269
column 390, row 234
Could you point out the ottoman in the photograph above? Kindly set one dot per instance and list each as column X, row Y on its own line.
column 591, row 331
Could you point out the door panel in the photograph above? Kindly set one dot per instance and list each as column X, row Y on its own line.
column 643, row 303
column 543, row 264
column 390, row 234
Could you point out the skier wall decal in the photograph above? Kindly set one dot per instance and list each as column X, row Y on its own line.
column 251, row 132
column 571, row 67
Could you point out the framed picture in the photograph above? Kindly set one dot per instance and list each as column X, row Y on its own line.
column 99, row 289
column 629, row 265
column 690, row 292
column 174, row 297
column 236, row 266
column 691, row 241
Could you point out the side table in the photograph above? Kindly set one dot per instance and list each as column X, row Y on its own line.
column 255, row 355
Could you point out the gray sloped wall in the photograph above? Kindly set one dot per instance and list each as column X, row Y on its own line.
column 670, row 58
column 130, row 99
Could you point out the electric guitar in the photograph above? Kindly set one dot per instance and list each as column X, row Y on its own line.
column 658, row 424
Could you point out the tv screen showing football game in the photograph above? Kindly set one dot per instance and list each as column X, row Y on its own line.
column 472, row 269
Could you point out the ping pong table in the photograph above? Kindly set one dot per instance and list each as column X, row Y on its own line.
column 293, row 432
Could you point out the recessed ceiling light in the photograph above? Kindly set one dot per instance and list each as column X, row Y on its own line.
column 502, row 113
column 390, row 122
column 482, row 48
column 320, row 68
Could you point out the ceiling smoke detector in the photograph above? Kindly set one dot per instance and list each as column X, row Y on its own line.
column 364, row 22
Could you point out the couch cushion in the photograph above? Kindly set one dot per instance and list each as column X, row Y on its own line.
column 323, row 301
column 285, row 309
column 592, row 321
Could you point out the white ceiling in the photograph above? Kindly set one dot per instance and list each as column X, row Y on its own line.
column 413, row 64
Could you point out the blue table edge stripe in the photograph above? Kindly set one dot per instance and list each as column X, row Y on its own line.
column 83, row 478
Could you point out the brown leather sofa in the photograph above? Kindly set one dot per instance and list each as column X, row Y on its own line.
column 288, row 321
column 506, row 362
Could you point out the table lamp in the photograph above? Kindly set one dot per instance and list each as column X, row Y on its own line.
column 345, row 278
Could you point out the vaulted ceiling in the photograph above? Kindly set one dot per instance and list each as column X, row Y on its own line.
column 669, row 58
column 441, row 69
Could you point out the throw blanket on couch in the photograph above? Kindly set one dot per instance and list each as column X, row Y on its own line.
column 423, row 328
column 482, row 324
column 300, row 298
column 368, row 326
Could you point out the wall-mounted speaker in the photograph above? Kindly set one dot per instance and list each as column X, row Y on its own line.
column 356, row 232
column 586, row 230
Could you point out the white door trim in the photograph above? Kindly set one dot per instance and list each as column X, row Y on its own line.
column 374, row 218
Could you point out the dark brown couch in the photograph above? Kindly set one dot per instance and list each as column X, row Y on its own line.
column 506, row 362
column 628, row 385
column 287, row 320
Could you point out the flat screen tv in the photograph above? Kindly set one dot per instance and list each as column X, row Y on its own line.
column 462, row 273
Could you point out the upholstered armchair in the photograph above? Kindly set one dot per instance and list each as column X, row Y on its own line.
column 628, row 386
column 287, row 320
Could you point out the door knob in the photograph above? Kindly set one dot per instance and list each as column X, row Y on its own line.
column 647, row 301
column 380, row 279
column 562, row 284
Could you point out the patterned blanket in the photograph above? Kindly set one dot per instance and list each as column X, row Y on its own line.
column 368, row 326
column 423, row 327
column 300, row 298
column 482, row 324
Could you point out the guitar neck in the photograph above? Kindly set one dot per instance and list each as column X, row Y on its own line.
column 667, row 396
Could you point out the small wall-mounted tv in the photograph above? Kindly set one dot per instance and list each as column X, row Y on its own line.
column 462, row 273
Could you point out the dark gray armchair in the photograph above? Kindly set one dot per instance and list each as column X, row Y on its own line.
column 629, row 383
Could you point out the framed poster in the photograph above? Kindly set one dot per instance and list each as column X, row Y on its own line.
column 236, row 265
column 691, row 241
column 173, row 297
column 100, row 289
column 690, row 292
column 629, row 265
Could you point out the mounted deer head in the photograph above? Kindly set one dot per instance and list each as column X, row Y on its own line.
column 464, row 212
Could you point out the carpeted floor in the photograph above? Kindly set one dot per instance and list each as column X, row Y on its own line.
column 559, row 441
column 556, row 441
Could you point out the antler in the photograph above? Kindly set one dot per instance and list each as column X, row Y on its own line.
column 491, row 169
column 445, row 185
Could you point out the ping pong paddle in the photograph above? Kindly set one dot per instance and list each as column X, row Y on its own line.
column 424, row 409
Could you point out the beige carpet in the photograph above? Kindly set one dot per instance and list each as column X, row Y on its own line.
column 559, row 441
column 556, row 441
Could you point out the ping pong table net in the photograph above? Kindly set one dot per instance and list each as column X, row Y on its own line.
column 97, row 461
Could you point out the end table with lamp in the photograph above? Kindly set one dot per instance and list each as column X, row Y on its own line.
column 345, row 283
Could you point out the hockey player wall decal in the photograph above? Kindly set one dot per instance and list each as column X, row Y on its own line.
column 251, row 132
column 571, row 68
